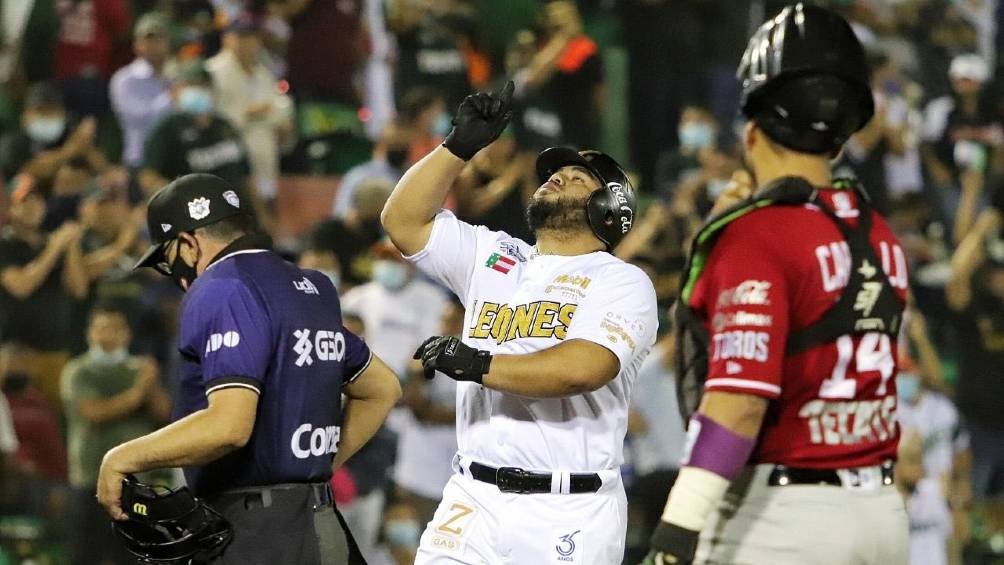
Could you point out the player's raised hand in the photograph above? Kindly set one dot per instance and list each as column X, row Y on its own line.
column 480, row 119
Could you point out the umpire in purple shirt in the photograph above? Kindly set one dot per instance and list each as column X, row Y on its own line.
column 259, row 422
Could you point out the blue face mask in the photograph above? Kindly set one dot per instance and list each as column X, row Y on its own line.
column 45, row 130
column 696, row 135
column 390, row 274
column 102, row 357
column 907, row 387
column 402, row 533
column 442, row 125
column 195, row 100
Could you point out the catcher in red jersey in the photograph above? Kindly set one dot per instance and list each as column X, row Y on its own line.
column 791, row 302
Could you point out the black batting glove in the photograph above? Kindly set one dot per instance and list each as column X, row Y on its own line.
column 480, row 120
column 453, row 358
column 671, row 545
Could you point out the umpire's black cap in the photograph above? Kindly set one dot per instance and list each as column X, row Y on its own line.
column 187, row 203
column 805, row 79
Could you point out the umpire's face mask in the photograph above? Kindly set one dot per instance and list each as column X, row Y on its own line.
column 177, row 268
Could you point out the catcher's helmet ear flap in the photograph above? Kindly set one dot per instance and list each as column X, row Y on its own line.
column 610, row 209
column 805, row 80
column 169, row 526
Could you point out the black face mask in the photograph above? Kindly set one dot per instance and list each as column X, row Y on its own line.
column 397, row 157
column 182, row 271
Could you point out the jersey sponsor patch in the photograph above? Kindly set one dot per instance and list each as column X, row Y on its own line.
column 542, row 319
column 451, row 525
column 751, row 292
column 217, row 341
column 310, row 441
column 305, row 286
column 325, row 346
column 740, row 344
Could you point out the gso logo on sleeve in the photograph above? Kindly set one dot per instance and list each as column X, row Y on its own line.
column 326, row 346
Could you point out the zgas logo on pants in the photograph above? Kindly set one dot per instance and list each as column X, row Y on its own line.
column 308, row 440
column 325, row 345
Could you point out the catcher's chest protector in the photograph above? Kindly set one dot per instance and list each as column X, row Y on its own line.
column 692, row 339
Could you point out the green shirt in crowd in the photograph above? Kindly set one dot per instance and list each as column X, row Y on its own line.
column 85, row 378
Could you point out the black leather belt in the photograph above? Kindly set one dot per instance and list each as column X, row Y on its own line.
column 261, row 496
column 518, row 481
column 783, row 476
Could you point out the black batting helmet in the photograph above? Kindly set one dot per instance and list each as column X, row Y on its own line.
column 805, row 80
column 169, row 526
column 610, row 209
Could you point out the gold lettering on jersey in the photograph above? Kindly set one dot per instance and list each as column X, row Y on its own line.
column 541, row 319
column 139, row 508
column 573, row 280
column 835, row 422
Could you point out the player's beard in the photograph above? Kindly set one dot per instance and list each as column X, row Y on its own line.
column 560, row 214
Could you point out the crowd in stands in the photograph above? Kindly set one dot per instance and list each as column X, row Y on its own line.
column 104, row 101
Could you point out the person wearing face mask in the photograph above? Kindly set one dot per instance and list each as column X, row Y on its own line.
column 48, row 138
column 348, row 241
column 195, row 137
column 423, row 111
column 109, row 397
column 396, row 307
column 259, row 420
column 390, row 159
column 697, row 134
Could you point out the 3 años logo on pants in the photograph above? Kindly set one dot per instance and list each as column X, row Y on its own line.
column 566, row 546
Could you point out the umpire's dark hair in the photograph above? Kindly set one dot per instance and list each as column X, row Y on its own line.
column 231, row 227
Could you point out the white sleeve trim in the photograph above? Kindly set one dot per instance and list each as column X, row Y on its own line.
column 361, row 370
column 213, row 389
column 742, row 383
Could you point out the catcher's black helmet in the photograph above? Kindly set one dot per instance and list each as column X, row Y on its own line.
column 805, row 80
column 169, row 526
column 610, row 209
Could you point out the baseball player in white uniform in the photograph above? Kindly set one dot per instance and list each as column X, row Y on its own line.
column 554, row 335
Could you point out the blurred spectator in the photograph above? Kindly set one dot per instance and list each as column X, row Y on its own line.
column 536, row 122
column 247, row 95
column 975, row 291
column 72, row 177
column 390, row 160
column 92, row 37
column 697, row 132
column 8, row 450
column 41, row 452
column 930, row 521
column 194, row 138
column 47, row 139
column 111, row 230
column 568, row 70
column 495, row 187
column 326, row 48
column 402, row 529
column 960, row 132
column 657, row 438
column 423, row 112
column 666, row 51
column 39, row 273
column 195, row 29
column 140, row 93
column 379, row 72
column 349, row 239
column 110, row 398
column 398, row 309
column 942, row 31
column 430, row 40
column 881, row 155
column 427, row 441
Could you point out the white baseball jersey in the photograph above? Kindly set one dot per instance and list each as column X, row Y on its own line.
column 519, row 301
column 936, row 419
